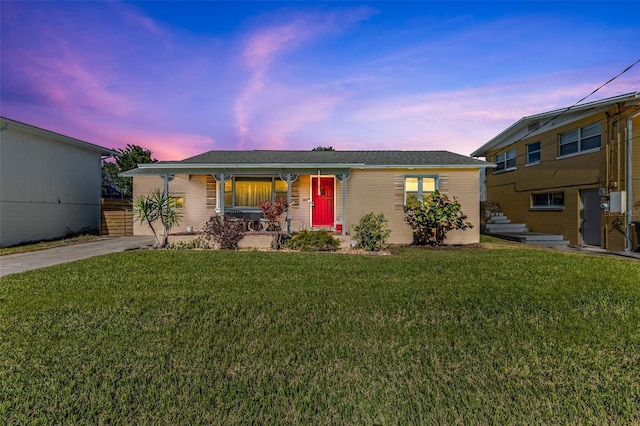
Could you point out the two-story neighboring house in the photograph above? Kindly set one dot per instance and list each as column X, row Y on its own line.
column 573, row 171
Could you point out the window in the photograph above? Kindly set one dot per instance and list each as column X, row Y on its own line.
column 251, row 191
column 547, row 201
column 506, row 161
column 533, row 153
column 416, row 186
column 579, row 140
column 176, row 202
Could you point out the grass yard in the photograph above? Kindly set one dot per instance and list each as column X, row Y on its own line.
column 458, row 336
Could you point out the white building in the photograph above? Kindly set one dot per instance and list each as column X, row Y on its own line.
column 50, row 184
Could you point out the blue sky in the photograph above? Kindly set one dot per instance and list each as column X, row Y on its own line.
column 187, row 77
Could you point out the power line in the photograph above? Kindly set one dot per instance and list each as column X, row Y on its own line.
column 564, row 111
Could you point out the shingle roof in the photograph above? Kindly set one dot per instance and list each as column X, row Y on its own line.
column 365, row 158
column 304, row 161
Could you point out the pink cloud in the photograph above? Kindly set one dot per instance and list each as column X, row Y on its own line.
column 266, row 44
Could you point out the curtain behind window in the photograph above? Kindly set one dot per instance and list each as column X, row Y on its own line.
column 252, row 191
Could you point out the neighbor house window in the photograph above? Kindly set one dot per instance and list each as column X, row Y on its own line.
column 506, row 161
column 176, row 202
column 533, row 153
column 416, row 187
column 583, row 139
column 251, row 191
column 548, row 201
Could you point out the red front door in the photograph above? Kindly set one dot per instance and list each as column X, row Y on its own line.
column 322, row 198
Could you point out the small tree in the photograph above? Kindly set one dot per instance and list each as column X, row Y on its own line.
column 128, row 159
column 372, row 231
column 155, row 207
column 274, row 213
column 432, row 218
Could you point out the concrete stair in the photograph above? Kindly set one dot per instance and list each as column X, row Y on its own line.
column 500, row 226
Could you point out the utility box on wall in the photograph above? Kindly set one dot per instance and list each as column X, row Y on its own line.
column 618, row 201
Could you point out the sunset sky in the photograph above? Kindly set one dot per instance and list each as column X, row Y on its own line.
column 187, row 77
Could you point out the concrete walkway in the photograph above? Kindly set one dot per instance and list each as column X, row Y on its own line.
column 21, row 262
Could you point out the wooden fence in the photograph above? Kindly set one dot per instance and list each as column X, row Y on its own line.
column 116, row 217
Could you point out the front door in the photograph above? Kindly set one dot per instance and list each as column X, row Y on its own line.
column 322, row 201
column 590, row 215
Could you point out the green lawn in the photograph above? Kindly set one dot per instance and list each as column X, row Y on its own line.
column 455, row 336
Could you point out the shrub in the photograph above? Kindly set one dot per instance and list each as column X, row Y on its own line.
column 225, row 233
column 149, row 209
column 197, row 243
column 274, row 212
column 372, row 232
column 313, row 241
column 432, row 218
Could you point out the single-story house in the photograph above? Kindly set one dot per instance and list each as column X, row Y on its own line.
column 573, row 171
column 50, row 184
column 328, row 189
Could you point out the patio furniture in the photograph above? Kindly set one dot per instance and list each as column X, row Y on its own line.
column 237, row 216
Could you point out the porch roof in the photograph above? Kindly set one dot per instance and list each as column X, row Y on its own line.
column 306, row 162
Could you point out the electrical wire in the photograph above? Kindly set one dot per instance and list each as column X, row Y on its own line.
column 564, row 111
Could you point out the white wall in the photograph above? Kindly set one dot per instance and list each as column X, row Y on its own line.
column 47, row 186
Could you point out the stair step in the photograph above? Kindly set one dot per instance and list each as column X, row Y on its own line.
column 497, row 219
column 506, row 227
column 548, row 243
column 537, row 236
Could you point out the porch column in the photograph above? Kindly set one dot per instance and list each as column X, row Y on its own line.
column 166, row 179
column 289, row 178
column 220, row 178
column 342, row 178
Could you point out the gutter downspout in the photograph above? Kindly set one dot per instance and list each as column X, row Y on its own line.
column 629, row 186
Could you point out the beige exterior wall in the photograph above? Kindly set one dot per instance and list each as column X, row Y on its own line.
column 382, row 191
column 194, row 190
column 47, row 186
column 605, row 168
column 379, row 191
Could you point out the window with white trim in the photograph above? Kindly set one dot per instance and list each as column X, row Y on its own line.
column 547, row 201
column 506, row 161
column 533, row 153
column 416, row 187
column 583, row 139
column 176, row 202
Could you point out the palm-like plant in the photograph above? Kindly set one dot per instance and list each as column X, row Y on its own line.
column 155, row 207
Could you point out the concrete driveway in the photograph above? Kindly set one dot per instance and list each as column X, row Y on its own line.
column 21, row 262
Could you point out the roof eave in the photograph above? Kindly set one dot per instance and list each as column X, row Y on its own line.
column 514, row 128
column 155, row 169
column 59, row 137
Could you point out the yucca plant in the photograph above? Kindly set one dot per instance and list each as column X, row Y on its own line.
column 149, row 209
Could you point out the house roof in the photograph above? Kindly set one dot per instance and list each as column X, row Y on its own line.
column 539, row 123
column 300, row 161
column 9, row 123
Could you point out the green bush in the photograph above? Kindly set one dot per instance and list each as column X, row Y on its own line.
column 432, row 218
column 313, row 241
column 197, row 243
column 372, row 232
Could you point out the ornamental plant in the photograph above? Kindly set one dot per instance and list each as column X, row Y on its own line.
column 155, row 208
column 274, row 213
column 371, row 232
column 307, row 240
column 224, row 233
column 432, row 218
